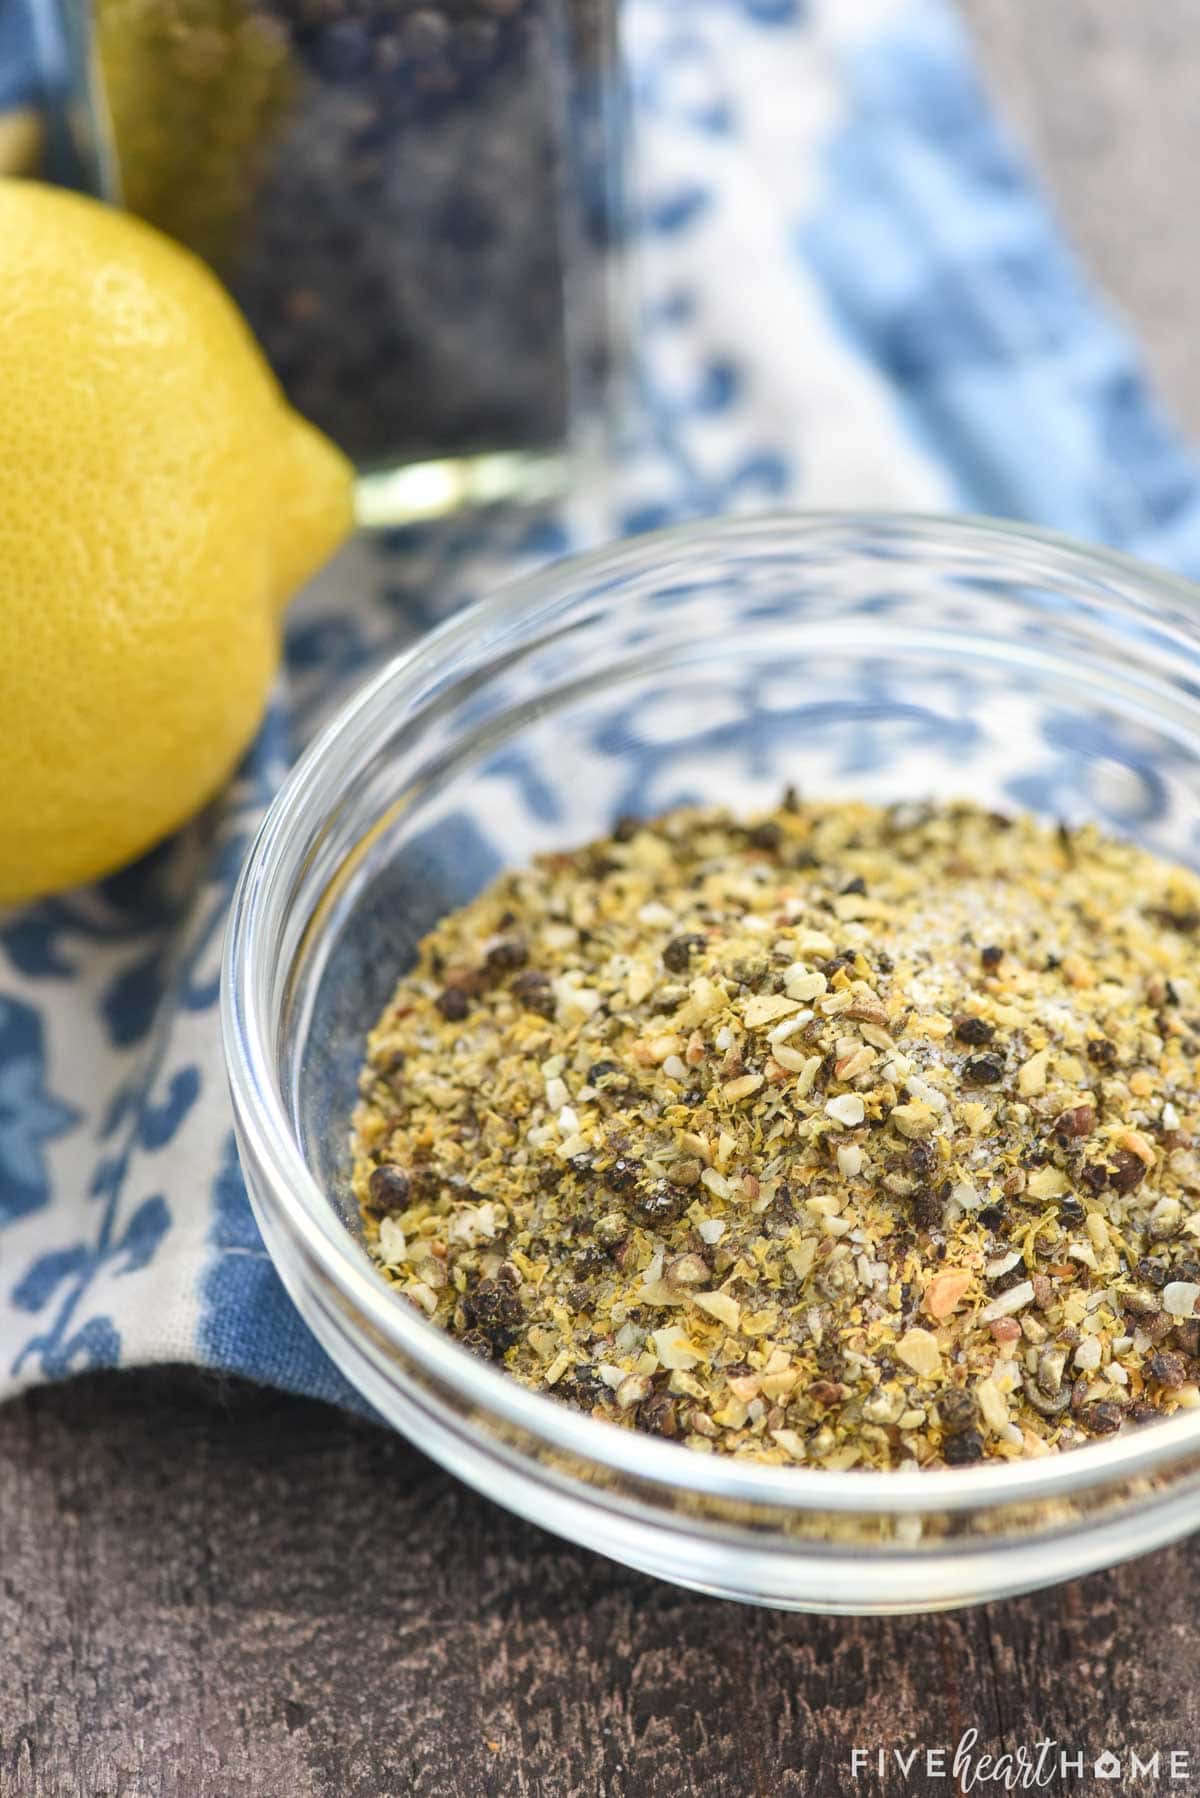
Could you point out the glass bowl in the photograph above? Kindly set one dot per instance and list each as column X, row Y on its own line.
column 885, row 657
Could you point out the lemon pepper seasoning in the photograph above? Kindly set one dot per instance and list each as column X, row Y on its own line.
column 789, row 1140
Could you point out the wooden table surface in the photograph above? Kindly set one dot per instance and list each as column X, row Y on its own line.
column 226, row 1594
column 214, row 1592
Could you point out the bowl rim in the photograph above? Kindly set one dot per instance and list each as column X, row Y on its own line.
column 265, row 1130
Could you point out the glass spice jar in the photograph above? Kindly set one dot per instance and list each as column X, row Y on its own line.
column 416, row 203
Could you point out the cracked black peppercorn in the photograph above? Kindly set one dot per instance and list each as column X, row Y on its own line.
column 533, row 991
column 590, row 1260
column 623, row 1175
column 657, row 1415
column 975, row 1032
column 956, row 1410
column 509, row 953
column 922, row 1159
column 659, row 1205
column 1167, row 1369
column 1186, row 922
column 991, row 956
column 963, row 1449
column 679, row 951
column 388, row 1188
column 1128, row 1171
column 453, row 1004
column 492, row 1310
column 927, row 1208
column 584, row 1388
column 983, row 1070
column 1103, row 1418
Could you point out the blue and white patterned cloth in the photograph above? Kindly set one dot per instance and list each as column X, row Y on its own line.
column 851, row 296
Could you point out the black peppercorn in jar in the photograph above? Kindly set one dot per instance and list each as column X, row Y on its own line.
column 412, row 201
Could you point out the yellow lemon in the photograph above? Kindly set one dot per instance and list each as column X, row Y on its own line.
column 159, row 504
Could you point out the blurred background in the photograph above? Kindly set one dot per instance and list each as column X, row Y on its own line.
column 1103, row 99
column 415, row 206
column 174, row 1620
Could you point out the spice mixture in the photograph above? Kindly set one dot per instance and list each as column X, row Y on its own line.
column 848, row 1136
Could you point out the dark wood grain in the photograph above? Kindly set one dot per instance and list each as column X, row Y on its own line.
column 221, row 1592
